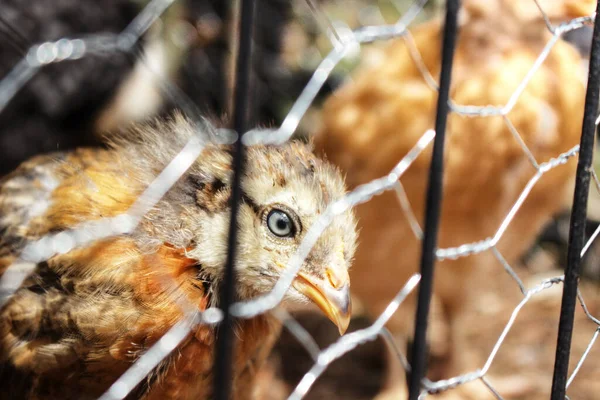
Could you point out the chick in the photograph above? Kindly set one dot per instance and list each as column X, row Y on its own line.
column 373, row 121
column 83, row 317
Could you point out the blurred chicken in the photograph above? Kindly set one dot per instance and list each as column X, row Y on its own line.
column 372, row 122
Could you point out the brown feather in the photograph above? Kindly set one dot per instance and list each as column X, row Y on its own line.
column 83, row 317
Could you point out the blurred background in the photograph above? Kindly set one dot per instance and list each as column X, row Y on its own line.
column 76, row 102
column 185, row 61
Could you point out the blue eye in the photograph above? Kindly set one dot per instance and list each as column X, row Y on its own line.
column 280, row 223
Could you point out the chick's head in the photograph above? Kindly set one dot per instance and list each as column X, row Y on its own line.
column 284, row 189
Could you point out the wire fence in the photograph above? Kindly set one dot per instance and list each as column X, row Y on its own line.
column 345, row 43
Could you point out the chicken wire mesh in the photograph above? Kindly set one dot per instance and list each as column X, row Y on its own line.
column 345, row 44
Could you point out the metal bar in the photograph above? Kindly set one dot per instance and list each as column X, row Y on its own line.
column 433, row 203
column 578, row 217
column 225, row 337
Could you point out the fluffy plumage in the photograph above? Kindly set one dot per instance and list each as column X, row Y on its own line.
column 83, row 317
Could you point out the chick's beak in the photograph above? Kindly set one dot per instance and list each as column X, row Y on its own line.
column 331, row 294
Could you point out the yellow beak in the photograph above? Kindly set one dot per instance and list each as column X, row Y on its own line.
column 331, row 294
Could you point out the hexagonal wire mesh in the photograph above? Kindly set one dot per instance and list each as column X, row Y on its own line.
column 345, row 43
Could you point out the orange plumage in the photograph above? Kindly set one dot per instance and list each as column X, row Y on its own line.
column 86, row 314
column 374, row 120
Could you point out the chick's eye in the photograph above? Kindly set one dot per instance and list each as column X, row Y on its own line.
column 280, row 223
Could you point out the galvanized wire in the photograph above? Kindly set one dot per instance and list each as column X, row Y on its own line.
column 345, row 43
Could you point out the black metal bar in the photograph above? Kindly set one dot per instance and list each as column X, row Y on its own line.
column 225, row 338
column 433, row 203
column 578, row 217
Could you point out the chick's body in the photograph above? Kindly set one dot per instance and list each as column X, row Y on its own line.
column 83, row 317
column 371, row 123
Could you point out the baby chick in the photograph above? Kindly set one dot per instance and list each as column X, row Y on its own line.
column 83, row 317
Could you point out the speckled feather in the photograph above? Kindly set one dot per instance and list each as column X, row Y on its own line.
column 81, row 319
